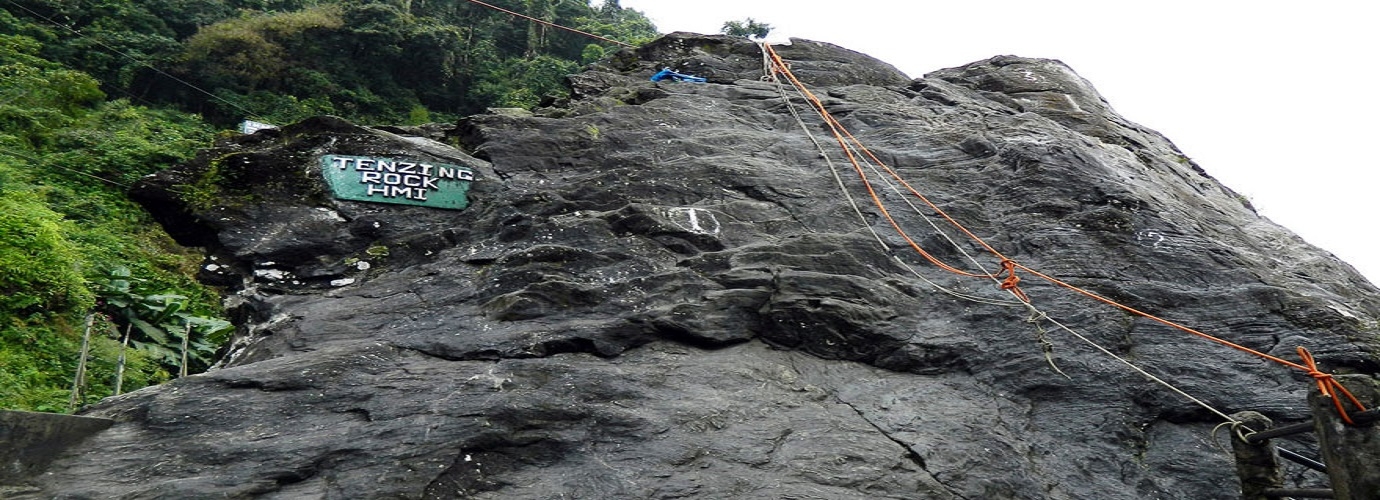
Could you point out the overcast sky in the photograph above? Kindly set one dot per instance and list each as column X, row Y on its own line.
column 1274, row 99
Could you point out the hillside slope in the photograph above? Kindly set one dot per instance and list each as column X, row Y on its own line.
column 659, row 290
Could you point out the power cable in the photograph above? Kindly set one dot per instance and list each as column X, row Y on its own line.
column 75, row 171
column 247, row 113
column 551, row 24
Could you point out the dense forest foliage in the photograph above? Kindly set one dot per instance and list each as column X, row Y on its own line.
column 95, row 94
column 281, row 60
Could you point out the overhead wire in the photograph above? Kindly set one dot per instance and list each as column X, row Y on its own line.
column 75, row 171
column 74, row 31
column 549, row 23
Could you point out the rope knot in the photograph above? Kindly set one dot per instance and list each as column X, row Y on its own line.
column 1319, row 375
column 1012, row 282
column 1329, row 386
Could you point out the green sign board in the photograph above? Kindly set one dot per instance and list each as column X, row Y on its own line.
column 386, row 180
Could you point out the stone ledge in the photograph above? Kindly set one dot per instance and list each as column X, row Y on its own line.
column 29, row 441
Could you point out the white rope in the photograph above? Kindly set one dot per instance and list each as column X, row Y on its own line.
column 1139, row 370
column 1036, row 314
column 770, row 75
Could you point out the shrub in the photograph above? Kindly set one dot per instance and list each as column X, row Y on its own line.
column 40, row 270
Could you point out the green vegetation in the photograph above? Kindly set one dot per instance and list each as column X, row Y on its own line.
column 157, row 324
column 278, row 61
column 95, row 94
column 747, row 28
column 65, row 156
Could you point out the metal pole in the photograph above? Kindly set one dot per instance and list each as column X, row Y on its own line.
column 1300, row 459
column 1300, row 493
column 120, row 364
column 1352, row 452
column 79, row 381
column 1257, row 466
column 186, row 337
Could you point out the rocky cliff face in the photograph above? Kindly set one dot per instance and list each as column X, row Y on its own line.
column 659, row 290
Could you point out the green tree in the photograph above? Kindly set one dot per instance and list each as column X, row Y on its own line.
column 520, row 83
column 37, row 95
column 111, row 40
column 748, row 28
column 40, row 269
column 614, row 22
column 255, row 52
column 122, row 142
column 279, row 60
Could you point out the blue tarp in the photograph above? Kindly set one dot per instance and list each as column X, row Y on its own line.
column 667, row 74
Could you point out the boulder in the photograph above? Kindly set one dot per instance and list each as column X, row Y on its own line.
column 683, row 290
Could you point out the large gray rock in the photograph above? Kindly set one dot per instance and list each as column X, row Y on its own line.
column 659, row 291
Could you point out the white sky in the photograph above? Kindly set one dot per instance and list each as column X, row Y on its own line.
column 1274, row 99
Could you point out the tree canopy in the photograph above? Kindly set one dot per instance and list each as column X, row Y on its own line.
column 748, row 28
column 282, row 60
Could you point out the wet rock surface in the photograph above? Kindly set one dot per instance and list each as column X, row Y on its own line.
column 660, row 291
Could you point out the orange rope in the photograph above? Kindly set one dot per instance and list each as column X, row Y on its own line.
column 1330, row 387
column 1160, row 320
column 1009, row 279
column 1012, row 282
column 838, row 131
